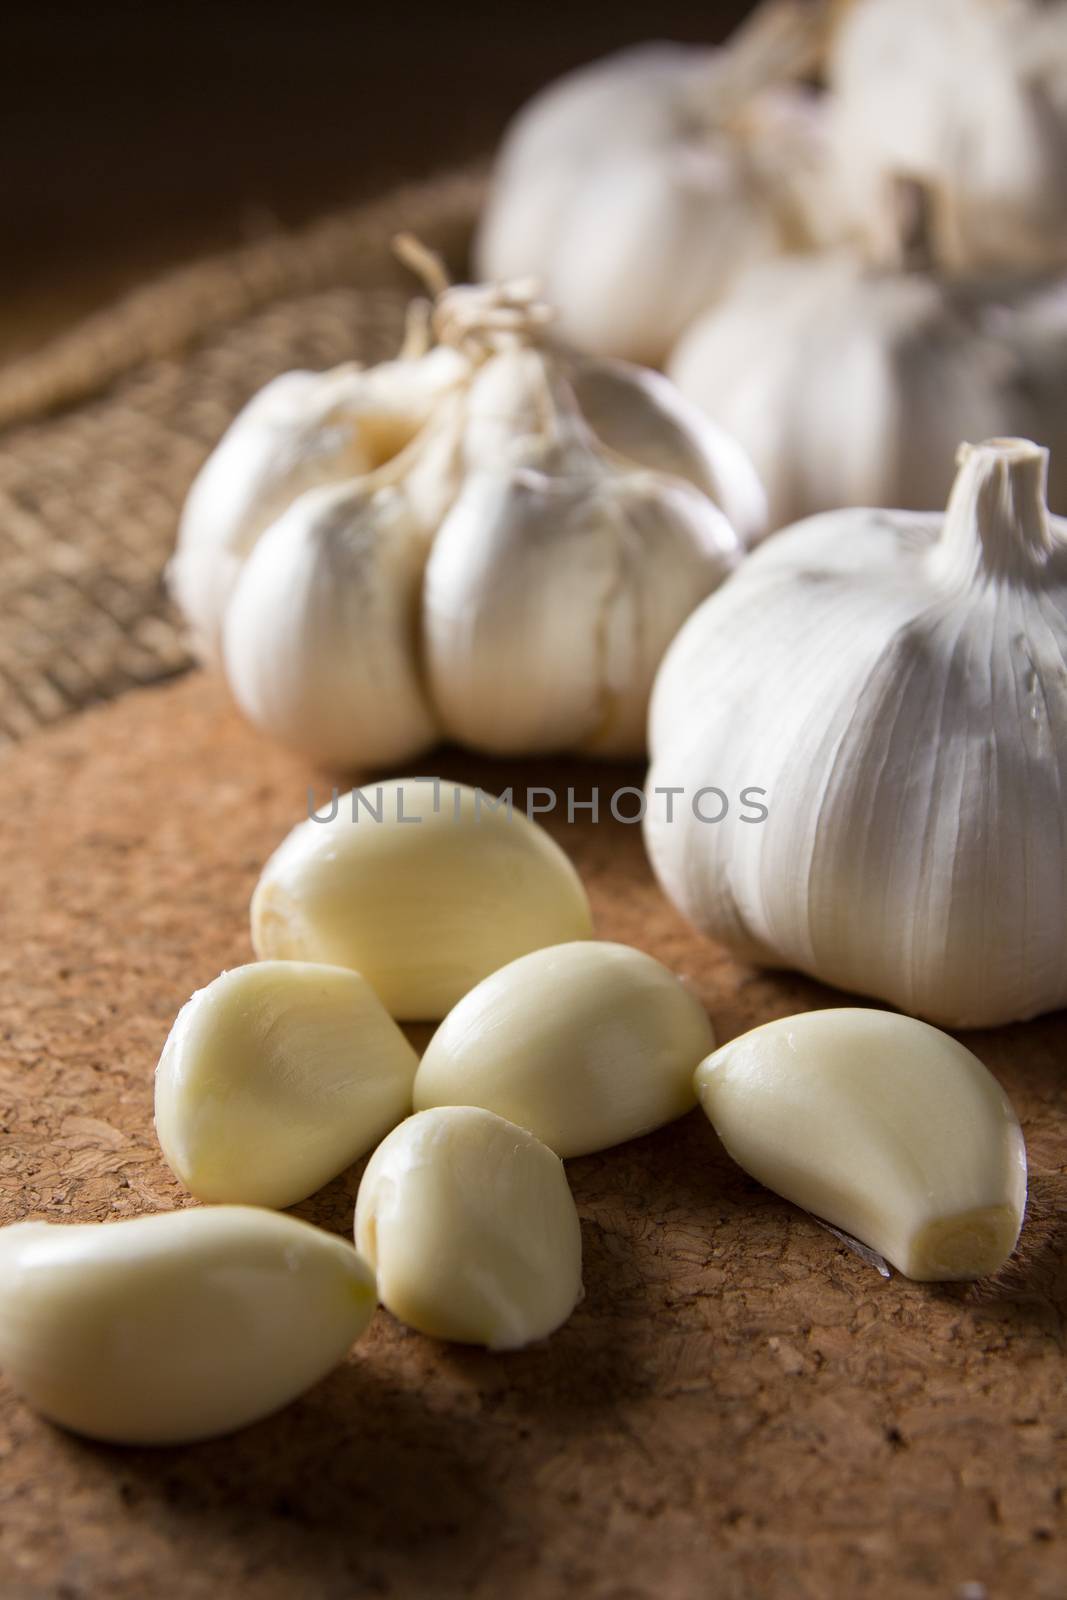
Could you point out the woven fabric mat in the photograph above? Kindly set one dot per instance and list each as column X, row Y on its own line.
column 104, row 429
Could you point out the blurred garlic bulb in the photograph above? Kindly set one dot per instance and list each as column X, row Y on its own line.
column 905, row 709
column 970, row 95
column 851, row 384
column 508, row 576
column 635, row 189
column 302, row 430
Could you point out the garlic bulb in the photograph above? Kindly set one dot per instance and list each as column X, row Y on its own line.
column 905, row 710
column 881, row 1125
column 471, row 1228
column 636, row 189
column 508, row 575
column 851, row 385
column 970, row 95
column 423, row 887
column 275, row 1078
column 302, row 430
column 587, row 1045
column 170, row 1328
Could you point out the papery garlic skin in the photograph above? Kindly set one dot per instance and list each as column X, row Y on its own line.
column 276, row 1077
column 319, row 638
column 303, row 430
column 471, row 1228
column 445, row 888
column 881, row 1125
column 586, row 1045
column 905, row 710
column 176, row 1327
column 638, row 188
column 850, row 385
column 965, row 94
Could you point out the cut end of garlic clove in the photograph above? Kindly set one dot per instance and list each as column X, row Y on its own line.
column 176, row 1327
column 470, row 1225
column 423, row 886
column 881, row 1125
column 275, row 1078
column 586, row 1045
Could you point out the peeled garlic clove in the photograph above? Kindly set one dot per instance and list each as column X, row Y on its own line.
column 471, row 1228
column 176, row 1327
column 587, row 1045
column 881, row 1125
column 319, row 638
column 275, row 1078
column 551, row 595
column 423, row 886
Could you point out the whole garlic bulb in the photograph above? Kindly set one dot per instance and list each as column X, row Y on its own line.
column 637, row 188
column 509, row 576
column 905, row 708
column 850, row 384
column 970, row 95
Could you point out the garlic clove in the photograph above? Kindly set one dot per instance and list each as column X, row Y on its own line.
column 550, row 597
column 423, row 886
column 640, row 414
column 320, row 638
column 275, row 1078
column 170, row 1328
column 471, row 1228
column 881, row 1125
column 587, row 1045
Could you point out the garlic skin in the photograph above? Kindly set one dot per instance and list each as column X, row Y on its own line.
column 966, row 94
column 586, row 1045
column 471, row 1228
column 423, row 903
column 905, row 711
column 182, row 1326
column 303, row 430
column 849, row 384
column 276, row 1077
column 638, row 188
column 319, row 637
column 881, row 1125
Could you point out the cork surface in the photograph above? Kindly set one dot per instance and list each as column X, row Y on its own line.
column 739, row 1407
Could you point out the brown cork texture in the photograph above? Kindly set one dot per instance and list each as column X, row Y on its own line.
column 739, row 1407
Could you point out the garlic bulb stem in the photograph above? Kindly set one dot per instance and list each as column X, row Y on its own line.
column 996, row 524
column 779, row 42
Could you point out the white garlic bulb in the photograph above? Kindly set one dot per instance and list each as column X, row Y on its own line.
column 636, row 189
column 181, row 1326
column 422, row 886
column 849, row 384
column 970, row 95
column 882, row 1126
column 471, row 1228
column 275, row 1077
column 587, row 1045
column 302, row 430
column 905, row 710
column 554, row 515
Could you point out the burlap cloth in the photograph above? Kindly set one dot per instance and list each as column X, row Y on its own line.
column 103, row 430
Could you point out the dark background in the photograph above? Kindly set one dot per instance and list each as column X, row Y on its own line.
column 134, row 137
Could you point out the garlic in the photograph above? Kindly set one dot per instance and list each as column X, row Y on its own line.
column 881, row 1125
column 424, row 595
column 423, row 887
column 470, row 1226
column 275, row 1078
column 638, row 188
column 905, row 711
column 851, row 384
column 170, row 1328
column 970, row 95
column 303, row 430
column 586, row 1045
